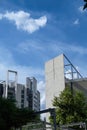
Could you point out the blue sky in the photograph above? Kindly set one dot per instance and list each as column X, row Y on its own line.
column 33, row 32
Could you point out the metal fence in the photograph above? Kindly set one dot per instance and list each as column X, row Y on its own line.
column 43, row 125
column 38, row 126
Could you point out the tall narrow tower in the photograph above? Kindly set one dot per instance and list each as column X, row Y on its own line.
column 55, row 81
column 15, row 82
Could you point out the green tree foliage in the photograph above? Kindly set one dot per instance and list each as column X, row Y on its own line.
column 85, row 5
column 7, row 110
column 13, row 117
column 70, row 108
column 24, row 116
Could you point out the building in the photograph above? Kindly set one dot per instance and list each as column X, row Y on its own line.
column 26, row 96
column 60, row 72
column 33, row 94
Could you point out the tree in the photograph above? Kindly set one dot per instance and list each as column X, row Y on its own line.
column 85, row 5
column 70, row 108
column 24, row 116
column 7, row 110
column 13, row 117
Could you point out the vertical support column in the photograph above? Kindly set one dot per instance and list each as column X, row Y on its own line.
column 53, row 114
column 7, row 83
column 44, row 124
column 54, row 120
column 16, row 80
column 72, row 73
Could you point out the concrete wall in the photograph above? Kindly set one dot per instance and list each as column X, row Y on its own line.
column 55, row 81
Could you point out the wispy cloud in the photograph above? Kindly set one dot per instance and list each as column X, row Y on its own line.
column 52, row 47
column 6, row 56
column 23, row 71
column 81, row 9
column 30, row 45
column 76, row 22
column 79, row 49
column 1, row 16
column 69, row 47
column 24, row 21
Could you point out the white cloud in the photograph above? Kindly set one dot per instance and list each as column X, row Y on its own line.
column 76, row 22
column 69, row 73
column 81, row 9
column 41, row 88
column 24, row 22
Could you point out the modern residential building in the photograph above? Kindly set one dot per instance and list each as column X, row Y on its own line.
column 25, row 95
column 60, row 72
column 33, row 94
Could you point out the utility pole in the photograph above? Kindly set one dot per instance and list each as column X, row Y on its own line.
column 53, row 114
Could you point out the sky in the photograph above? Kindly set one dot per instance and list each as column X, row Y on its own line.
column 35, row 31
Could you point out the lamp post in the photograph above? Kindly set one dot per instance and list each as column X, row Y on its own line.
column 84, row 124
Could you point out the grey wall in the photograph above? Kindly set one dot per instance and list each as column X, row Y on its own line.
column 55, row 81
